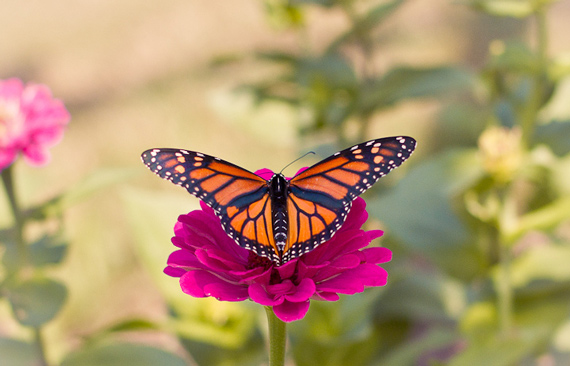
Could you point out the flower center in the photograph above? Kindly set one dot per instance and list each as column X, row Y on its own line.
column 254, row 261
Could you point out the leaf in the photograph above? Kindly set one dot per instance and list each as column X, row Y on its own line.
column 513, row 57
column 331, row 70
column 506, row 8
column 365, row 24
column 152, row 216
column 408, row 82
column 122, row 354
column 419, row 211
column 36, row 301
column 47, row 250
column 555, row 136
column 251, row 353
column 133, row 324
column 17, row 353
column 409, row 353
column 544, row 218
column 423, row 298
column 549, row 262
column 96, row 182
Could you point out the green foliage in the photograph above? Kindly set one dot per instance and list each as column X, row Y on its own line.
column 16, row 353
column 122, row 354
column 36, row 301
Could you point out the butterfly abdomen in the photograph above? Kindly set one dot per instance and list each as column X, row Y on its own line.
column 278, row 187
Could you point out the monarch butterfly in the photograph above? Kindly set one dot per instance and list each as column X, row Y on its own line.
column 282, row 219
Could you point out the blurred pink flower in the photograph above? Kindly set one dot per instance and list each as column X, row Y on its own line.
column 210, row 263
column 31, row 121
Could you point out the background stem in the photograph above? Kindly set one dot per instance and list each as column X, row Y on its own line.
column 7, row 179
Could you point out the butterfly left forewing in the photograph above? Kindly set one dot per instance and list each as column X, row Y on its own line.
column 239, row 198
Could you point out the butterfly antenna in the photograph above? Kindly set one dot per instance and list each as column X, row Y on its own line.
column 299, row 158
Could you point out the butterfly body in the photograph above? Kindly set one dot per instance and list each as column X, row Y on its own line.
column 278, row 218
column 278, row 191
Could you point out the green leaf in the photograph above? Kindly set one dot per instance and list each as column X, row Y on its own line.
column 122, row 354
column 419, row 211
column 363, row 26
column 408, row 82
column 17, row 353
column 506, row 8
column 548, row 262
column 555, row 136
column 97, row 181
column 36, row 301
column 409, row 353
column 544, row 218
column 152, row 216
column 252, row 353
column 503, row 352
column 330, row 70
column 47, row 250
column 133, row 324
column 324, row 3
column 423, row 298
column 513, row 57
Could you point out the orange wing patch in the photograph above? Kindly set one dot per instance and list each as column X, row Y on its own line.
column 323, row 185
column 254, row 223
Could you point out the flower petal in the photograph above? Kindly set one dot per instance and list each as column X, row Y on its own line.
column 258, row 294
column 377, row 255
column 303, row 291
column 291, row 311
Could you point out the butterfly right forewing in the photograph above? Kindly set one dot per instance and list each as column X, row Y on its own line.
column 320, row 197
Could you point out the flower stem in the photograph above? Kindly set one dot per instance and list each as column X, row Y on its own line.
column 505, row 293
column 40, row 347
column 277, row 338
column 7, row 179
column 539, row 86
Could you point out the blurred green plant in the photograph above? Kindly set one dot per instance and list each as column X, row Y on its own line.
column 36, row 298
column 479, row 229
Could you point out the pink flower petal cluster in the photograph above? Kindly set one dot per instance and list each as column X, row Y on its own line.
column 210, row 263
column 31, row 121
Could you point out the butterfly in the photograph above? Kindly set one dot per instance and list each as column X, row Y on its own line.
column 282, row 219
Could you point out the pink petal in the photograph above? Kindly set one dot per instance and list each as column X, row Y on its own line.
column 258, row 294
column 325, row 296
column 174, row 272
column 377, row 255
column 189, row 284
column 291, row 311
column 182, row 258
column 226, row 291
column 303, row 291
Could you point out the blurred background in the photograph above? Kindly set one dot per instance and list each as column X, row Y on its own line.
column 478, row 218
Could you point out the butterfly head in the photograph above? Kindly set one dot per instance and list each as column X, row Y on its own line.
column 278, row 187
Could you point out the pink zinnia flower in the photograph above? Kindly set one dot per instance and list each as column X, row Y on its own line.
column 31, row 121
column 210, row 263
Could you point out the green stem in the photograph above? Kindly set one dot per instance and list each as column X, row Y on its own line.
column 505, row 292
column 277, row 338
column 536, row 99
column 40, row 347
column 508, row 220
column 7, row 179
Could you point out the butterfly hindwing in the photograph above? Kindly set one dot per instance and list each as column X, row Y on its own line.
column 240, row 198
column 320, row 197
